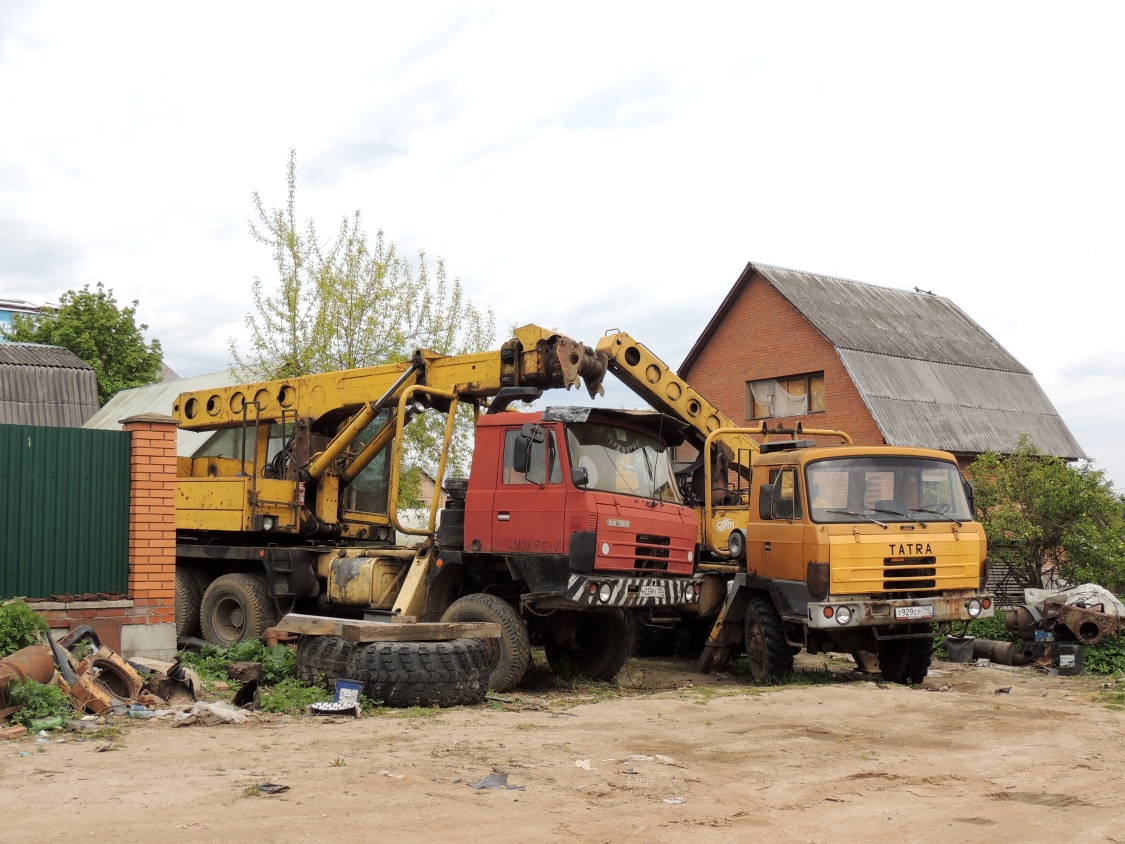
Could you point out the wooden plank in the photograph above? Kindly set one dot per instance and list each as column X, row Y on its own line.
column 314, row 624
column 442, row 631
column 403, row 630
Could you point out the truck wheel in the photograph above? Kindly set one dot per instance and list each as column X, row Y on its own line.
column 766, row 649
column 905, row 661
column 322, row 660
column 236, row 607
column 598, row 648
column 510, row 655
column 422, row 673
column 189, row 595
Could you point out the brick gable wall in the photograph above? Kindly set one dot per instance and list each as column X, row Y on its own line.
column 763, row 336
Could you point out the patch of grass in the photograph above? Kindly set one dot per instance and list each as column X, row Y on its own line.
column 290, row 697
column 252, row 791
column 338, row 762
column 1112, row 700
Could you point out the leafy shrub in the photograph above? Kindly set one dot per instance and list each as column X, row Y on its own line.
column 278, row 663
column 1106, row 657
column 20, row 626
column 38, row 700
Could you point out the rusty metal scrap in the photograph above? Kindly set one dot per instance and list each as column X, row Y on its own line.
column 1089, row 624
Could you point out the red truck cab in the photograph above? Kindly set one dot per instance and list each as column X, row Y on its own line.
column 581, row 504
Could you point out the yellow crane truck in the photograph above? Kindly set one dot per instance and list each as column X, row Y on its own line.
column 843, row 548
column 569, row 516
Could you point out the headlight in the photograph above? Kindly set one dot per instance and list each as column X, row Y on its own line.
column 736, row 545
column 605, row 593
column 843, row 615
column 267, row 523
column 974, row 608
column 605, row 549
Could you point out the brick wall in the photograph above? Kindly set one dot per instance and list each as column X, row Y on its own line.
column 763, row 336
column 145, row 623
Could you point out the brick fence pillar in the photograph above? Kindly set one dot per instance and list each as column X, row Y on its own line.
column 151, row 623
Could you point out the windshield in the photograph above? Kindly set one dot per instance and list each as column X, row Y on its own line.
column 886, row 489
column 620, row 459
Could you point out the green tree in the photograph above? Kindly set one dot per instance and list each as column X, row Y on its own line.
column 1044, row 517
column 91, row 324
column 346, row 301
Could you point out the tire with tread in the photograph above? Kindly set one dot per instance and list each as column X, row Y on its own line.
column 905, row 661
column 509, row 656
column 236, row 607
column 421, row 673
column 322, row 660
column 601, row 646
column 767, row 650
column 189, row 596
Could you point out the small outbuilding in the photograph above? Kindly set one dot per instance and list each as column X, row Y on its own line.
column 45, row 385
column 887, row 366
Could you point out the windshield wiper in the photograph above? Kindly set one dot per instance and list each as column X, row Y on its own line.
column 943, row 516
column 859, row 516
column 899, row 514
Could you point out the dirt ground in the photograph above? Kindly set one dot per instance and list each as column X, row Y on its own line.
column 976, row 752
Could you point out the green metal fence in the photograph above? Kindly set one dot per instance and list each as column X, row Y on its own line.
column 64, row 511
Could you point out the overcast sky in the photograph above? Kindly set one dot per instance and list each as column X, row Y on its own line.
column 586, row 166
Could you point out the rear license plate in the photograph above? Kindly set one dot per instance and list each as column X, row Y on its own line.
column 652, row 592
column 914, row 612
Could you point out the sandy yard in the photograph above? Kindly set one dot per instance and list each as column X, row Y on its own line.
column 682, row 758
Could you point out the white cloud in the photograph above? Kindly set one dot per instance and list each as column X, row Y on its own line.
column 599, row 166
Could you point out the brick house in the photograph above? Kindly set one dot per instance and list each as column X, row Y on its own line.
column 887, row 366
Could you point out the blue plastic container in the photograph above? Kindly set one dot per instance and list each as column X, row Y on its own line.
column 347, row 691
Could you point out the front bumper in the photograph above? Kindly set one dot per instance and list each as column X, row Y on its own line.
column 594, row 591
column 864, row 612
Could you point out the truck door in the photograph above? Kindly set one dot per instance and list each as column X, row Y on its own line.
column 782, row 555
column 528, row 506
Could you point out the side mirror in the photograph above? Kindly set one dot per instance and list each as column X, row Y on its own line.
column 534, row 433
column 579, row 477
column 521, row 454
column 765, row 502
column 970, row 493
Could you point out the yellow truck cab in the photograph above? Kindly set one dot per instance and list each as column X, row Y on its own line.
column 852, row 549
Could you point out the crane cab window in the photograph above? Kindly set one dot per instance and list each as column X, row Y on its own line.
column 543, row 465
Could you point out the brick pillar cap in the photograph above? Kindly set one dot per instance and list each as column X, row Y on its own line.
column 148, row 418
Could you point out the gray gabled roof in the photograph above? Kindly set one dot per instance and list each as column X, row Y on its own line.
column 929, row 374
column 45, row 385
column 159, row 398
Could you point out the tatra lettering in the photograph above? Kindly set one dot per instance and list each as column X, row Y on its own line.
column 910, row 549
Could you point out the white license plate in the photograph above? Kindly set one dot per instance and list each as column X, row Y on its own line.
column 652, row 592
column 914, row 612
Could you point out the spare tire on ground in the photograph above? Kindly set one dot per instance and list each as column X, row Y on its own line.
column 422, row 673
column 322, row 660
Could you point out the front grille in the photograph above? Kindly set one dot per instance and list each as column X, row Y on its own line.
column 652, row 552
column 903, row 575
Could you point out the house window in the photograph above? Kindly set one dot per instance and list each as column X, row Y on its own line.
column 795, row 395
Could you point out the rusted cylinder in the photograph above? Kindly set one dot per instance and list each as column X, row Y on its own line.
column 1004, row 653
column 31, row 663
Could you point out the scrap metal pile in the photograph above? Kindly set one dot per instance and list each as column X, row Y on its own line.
column 96, row 678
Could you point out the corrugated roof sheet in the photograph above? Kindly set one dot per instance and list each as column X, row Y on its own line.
column 45, row 385
column 962, row 409
column 159, row 398
column 869, row 318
